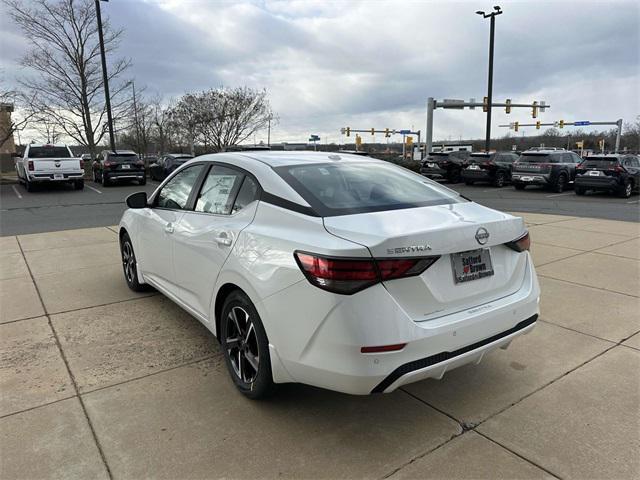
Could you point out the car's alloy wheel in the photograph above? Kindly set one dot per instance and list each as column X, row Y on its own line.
column 129, row 265
column 241, row 344
column 499, row 181
column 626, row 190
column 560, row 183
column 245, row 346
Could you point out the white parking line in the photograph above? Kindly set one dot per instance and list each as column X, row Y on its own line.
column 94, row 189
column 16, row 190
column 560, row 194
column 634, row 201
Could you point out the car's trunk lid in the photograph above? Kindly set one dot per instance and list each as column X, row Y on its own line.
column 55, row 164
column 443, row 230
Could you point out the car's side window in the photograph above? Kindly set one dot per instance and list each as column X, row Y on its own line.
column 567, row 158
column 247, row 194
column 175, row 194
column 576, row 158
column 219, row 190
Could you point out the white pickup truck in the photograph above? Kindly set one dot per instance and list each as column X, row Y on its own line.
column 49, row 163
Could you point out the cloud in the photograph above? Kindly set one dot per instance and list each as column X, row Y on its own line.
column 328, row 63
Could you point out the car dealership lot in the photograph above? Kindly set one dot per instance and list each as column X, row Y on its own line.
column 97, row 380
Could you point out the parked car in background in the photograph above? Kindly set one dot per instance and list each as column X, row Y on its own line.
column 49, row 164
column 445, row 165
column 118, row 166
column 550, row 168
column 166, row 164
column 615, row 173
column 335, row 270
column 494, row 168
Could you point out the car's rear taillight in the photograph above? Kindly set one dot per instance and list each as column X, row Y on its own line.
column 350, row 275
column 488, row 162
column 107, row 164
column 618, row 168
column 30, row 165
column 580, row 167
column 81, row 164
column 521, row 244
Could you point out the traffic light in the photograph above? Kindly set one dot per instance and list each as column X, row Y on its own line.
column 373, row 131
column 538, row 125
column 348, row 131
column 534, row 110
column 358, row 140
column 409, row 141
column 507, row 108
column 516, row 125
column 485, row 104
column 561, row 124
column 386, row 133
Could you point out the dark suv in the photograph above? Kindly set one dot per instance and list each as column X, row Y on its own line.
column 494, row 168
column 121, row 165
column 553, row 169
column 445, row 165
column 618, row 174
column 160, row 169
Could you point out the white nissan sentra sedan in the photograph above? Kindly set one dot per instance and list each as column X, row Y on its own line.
column 334, row 270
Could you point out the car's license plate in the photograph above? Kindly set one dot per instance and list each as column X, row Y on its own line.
column 58, row 176
column 526, row 179
column 474, row 167
column 594, row 173
column 126, row 167
column 471, row 265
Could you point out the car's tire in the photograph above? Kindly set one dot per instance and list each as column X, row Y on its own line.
column 499, row 180
column 104, row 178
column 245, row 347
column 143, row 181
column 580, row 190
column 454, row 176
column 469, row 182
column 626, row 189
column 78, row 184
column 28, row 185
column 95, row 176
column 560, row 183
column 519, row 186
column 129, row 265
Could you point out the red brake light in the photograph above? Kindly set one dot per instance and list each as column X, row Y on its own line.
column 30, row 165
column 106, row 163
column 618, row 168
column 350, row 275
column 81, row 164
column 383, row 348
column 580, row 167
column 521, row 244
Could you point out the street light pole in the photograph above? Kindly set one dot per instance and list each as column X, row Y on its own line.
column 492, row 17
column 105, row 79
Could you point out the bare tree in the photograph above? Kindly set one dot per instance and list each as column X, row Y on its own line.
column 231, row 116
column 20, row 108
column 161, row 123
column 186, row 118
column 65, row 59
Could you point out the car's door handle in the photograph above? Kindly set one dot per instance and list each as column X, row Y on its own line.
column 168, row 228
column 223, row 239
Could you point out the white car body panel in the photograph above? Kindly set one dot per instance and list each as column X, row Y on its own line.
column 315, row 336
column 49, row 169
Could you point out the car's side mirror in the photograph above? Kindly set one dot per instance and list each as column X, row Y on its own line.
column 137, row 200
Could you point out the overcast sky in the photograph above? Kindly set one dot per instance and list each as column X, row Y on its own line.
column 329, row 64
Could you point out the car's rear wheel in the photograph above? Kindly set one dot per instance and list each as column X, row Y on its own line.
column 245, row 347
column 129, row 265
column 78, row 184
column 454, row 176
column 142, row 181
column 28, row 185
column 468, row 182
column 519, row 186
column 560, row 183
column 105, row 179
column 499, row 180
column 580, row 190
column 626, row 190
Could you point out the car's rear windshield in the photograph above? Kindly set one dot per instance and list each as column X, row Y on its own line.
column 341, row 189
column 49, row 152
column 123, row 157
column 537, row 158
column 600, row 162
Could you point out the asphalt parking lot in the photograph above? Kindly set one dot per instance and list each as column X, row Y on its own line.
column 101, row 382
column 59, row 207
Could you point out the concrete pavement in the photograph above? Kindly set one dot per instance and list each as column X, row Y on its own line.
column 99, row 382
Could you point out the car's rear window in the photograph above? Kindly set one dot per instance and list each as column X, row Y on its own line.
column 123, row 157
column 604, row 163
column 49, row 152
column 342, row 189
column 537, row 158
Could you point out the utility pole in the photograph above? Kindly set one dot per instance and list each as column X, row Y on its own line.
column 135, row 116
column 492, row 17
column 269, row 132
column 105, row 78
column 428, row 142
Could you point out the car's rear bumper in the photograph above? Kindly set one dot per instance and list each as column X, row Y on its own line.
column 55, row 176
column 433, row 173
column 531, row 178
column 604, row 183
column 317, row 339
column 476, row 175
column 125, row 175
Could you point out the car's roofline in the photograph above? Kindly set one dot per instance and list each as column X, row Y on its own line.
column 280, row 159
